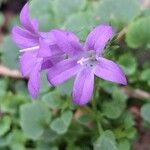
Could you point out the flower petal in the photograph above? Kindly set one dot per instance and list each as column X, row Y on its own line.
column 34, row 81
column 23, row 38
column 62, row 71
column 48, row 46
column 83, row 87
column 98, row 38
column 25, row 20
column 67, row 41
column 27, row 62
column 51, row 61
column 108, row 70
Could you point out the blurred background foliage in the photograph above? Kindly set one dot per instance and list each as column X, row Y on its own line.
column 121, row 118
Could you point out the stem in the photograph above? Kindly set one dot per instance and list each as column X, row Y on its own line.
column 94, row 106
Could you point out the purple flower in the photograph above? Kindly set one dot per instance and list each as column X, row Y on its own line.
column 40, row 50
column 87, row 63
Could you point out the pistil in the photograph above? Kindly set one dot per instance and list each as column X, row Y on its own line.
column 30, row 49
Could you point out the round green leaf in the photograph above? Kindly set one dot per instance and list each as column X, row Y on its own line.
column 67, row 117
column 145, row 112
column 118, row 13
column 66, row 87
column 5, row 123
column 1, row 19
column 34, row 117
column 65, row 8
column 128, row 64
column 52, row 100
column 138, row 34
column 145, row 76
column 124, row 145
column 43, row 11
column 58, row 126
column 10, row 53
column 114, row 108
column 106, row 142
column 81, row 24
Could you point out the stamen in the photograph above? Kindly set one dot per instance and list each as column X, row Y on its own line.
column 83, row 60
column 30, row 49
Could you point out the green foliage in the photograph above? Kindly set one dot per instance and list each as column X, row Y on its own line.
column 118, row 13
column 43, row 13
column 145, row 112
column 53, row 122
column 5, row 123
column 61, row 124
column 128, row 63
column 1, row 19
column 114, row 108
column 53, row 100
column 65, row 8
column 106, row 142
column 34, row 118
column 139, row 33
column 145, row 76
column 10, row 53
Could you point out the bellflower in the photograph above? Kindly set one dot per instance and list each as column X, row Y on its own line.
column 87, row 63
column 33, row 45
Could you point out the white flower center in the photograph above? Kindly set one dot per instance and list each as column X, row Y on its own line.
column 89, row 59
column 30, row 49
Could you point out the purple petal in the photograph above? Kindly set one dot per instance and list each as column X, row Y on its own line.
column 34, row 81
column 108, row 70
column 51, row 61
column 23, row 38
column 48, row 46
column 27, row 62
column 63, row 71
column 26, row 22
column 83, row 87
column 67, row 41
column 98, row 38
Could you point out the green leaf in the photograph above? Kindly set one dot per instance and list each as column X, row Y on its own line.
column 81, row 24
column 3, row 87
column 145, row 112
column 1, row 19
column 118, row 13
column 114, row 108
column 85, row 118
column 53, row 100
column 109, row 87
column 128, row 120
column 44, row 13
column 9, row 53
column 60, row 125
column 16, row 140
column 66, row 87
column 3, row 142
column 128, row 63
column 124, row 145
column 138, row 34
column 67, row 117
column 145, row 75
column 5, row 123
column 65, row 8
column 34, row 117
column 106, row 142
column 45, row 85
column 146, row 12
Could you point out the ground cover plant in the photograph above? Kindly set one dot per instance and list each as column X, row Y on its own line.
column 55, row 110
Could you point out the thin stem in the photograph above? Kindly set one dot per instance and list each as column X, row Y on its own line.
column 94, row 106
